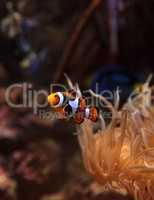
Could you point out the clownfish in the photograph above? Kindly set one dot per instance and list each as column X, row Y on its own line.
column 68, row 104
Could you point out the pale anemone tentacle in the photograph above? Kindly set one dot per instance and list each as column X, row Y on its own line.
column 113, row 111
column 69, row 82
column 102, row 121
column 117, row 99
column 145, row 140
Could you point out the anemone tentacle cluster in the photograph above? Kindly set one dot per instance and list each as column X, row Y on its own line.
column 120, row 155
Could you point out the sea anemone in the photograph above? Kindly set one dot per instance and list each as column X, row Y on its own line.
column 120, row 155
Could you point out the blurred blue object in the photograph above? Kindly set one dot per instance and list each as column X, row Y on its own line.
column 32, row 61
column 111, row 77
column 28, row 24
column 24, row 44
column 36, row 61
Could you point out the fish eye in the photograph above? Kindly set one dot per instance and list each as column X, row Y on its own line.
column 56, row 95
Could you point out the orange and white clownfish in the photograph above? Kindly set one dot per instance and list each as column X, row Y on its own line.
column 68, row 104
